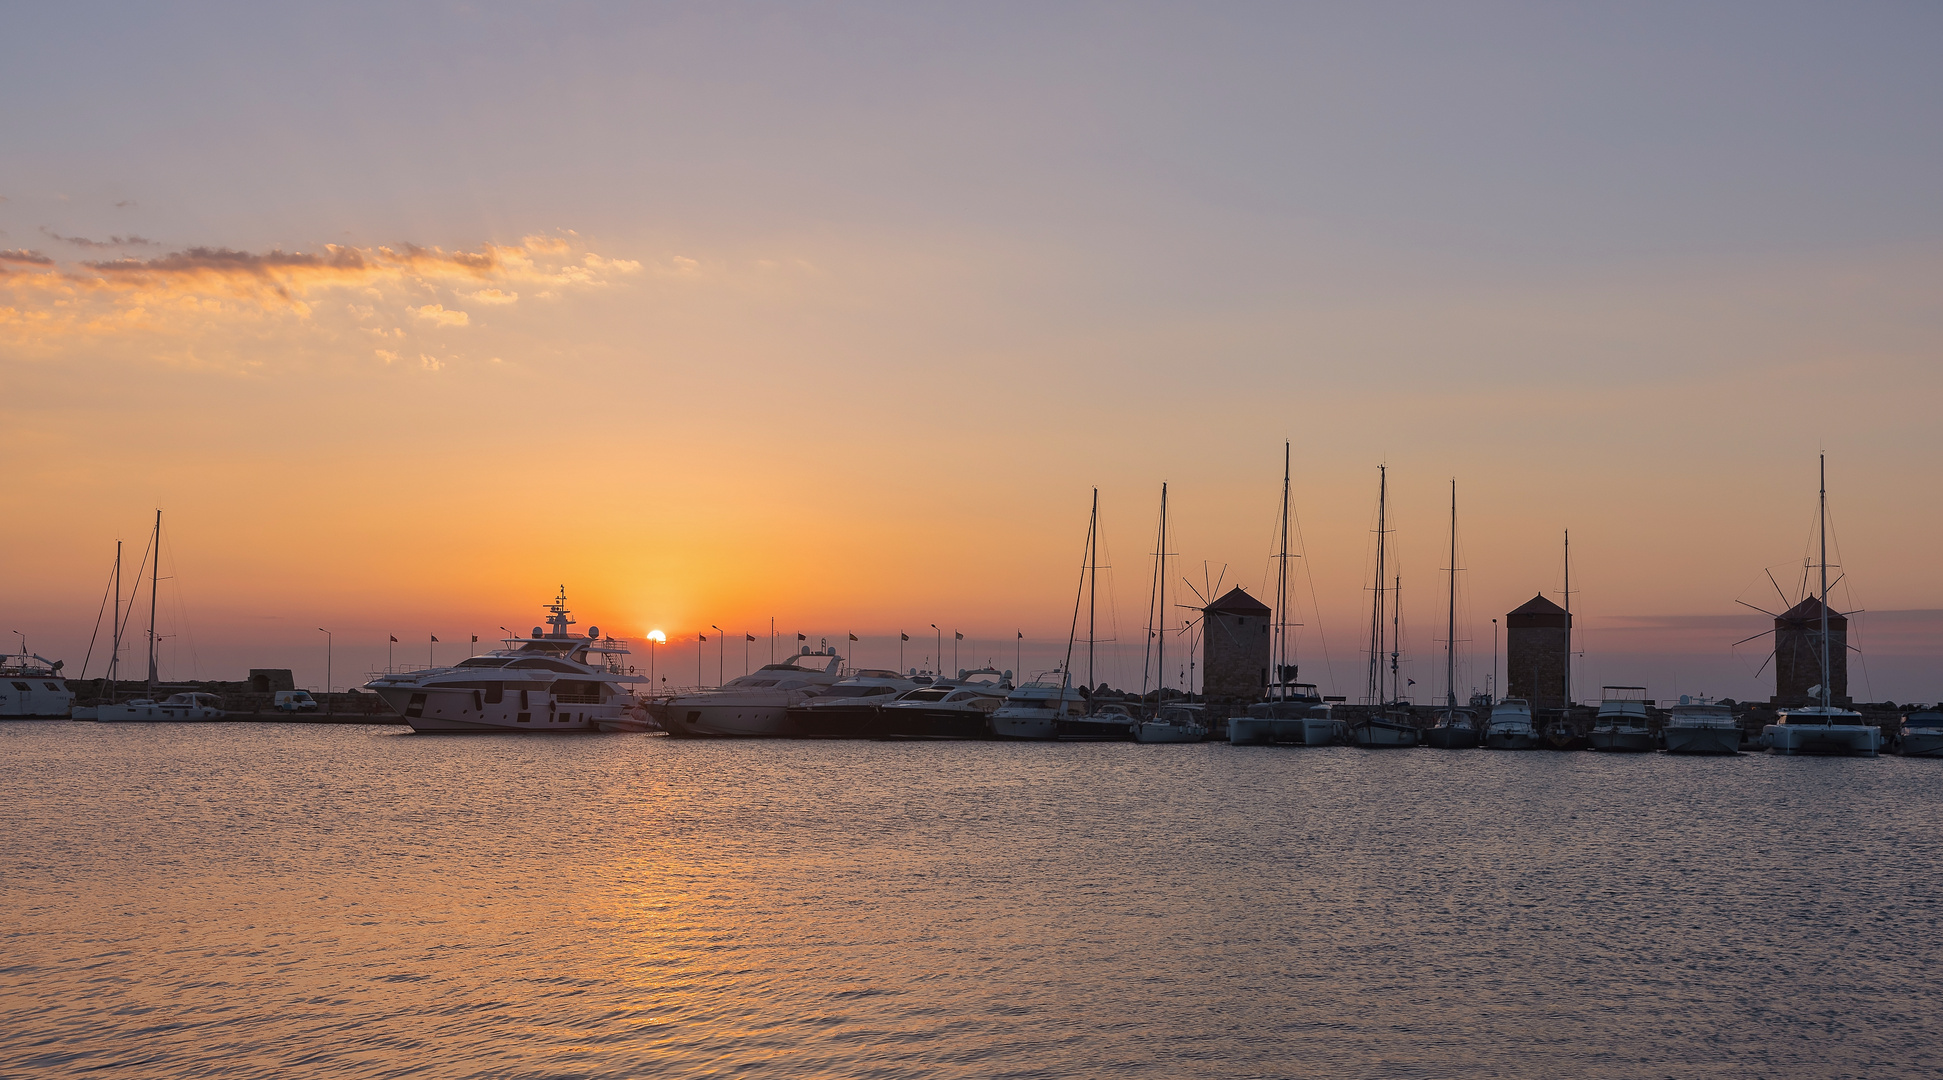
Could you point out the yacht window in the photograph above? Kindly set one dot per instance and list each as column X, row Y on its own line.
column 534, row 663
column 485, row 661
column 52, row 686
column 926, row 695
column 21, row 686
column 854, row 691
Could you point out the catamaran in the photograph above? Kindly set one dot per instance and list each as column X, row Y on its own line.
column 1823, row 728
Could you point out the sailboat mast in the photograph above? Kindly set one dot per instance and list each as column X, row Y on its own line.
column 1282, row 587
column 1374, row 694
column 1396, row 640
column 1568, row 618
column 1160, row 641
column 154, row 576
column 1092, row 583
column 1822, row 518
column 1450, row 618
column 114, row 660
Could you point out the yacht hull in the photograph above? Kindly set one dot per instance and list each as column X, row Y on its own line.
column 697, row 720
column 1622, row 742
column 934, row 724
column 1927, row 743
column 1092, row 730
column 433, row 710
column 1451, row 738
column 1383, row 734
column 1155, row 732
column 1024, row 728
column 155, row 714
column 1703, row 740
column 1510, row 740
column 1831, row 740
column 836, row 722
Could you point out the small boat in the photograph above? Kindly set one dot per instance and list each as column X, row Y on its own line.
column 1701, row 728
column 1391, row 730
column 852, row 707
column 637, row 722
column 1921, row 734
column 1621, row 723
column 1454, row 729
column 958, row 708
column 1510, row 726
column 1032, row 711
column 176, row 708
column 1176, row 724
column 1824, row 728
column 32, row 688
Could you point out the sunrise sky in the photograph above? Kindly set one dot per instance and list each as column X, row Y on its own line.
column 407, row 316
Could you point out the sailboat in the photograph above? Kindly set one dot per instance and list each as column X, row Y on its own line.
column 1168, row 724
column 1455, row 728
column 1387, row 725
column 1823, row 728
column 1292, row 712
column 1103, row 721
column 176, row 707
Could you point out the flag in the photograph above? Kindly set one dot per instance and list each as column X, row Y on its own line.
column 751, row 637
column 394, row 639
column 701, row 637
column 957, row 636
column 475, row 639
column 1022, row 635
column 853, row 637
column 800, row 637
column 1409, row 682
column 903, row 636
column 435, row 637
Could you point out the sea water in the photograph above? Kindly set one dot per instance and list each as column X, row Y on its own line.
column 279, row 900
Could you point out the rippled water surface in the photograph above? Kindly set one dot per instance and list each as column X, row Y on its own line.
column 291, row 900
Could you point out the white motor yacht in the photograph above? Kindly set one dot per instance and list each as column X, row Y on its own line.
column 1032, row 711
column 1510, row 726
column 176, row 708
column 755, row 705
column 31, row 688
column 1921, row 734
column 550, row 682
column 958, row 708
column 1702, row 728
column 1179, row 723
column 1621, row 723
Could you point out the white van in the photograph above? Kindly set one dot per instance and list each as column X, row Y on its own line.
column 295, row 701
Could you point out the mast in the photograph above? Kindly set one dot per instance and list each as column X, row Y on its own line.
column 154, row 575
column 1374, row 694
column 114, row 659
column 1092, row 584
column 1160, row 600
column 1568, row 618
column 1396, row 640
column 1450, row 619
column 1282, row 588
column 1822, row 519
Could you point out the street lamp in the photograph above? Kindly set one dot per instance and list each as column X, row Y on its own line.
column 721, row 655
column 940, row 661
column 328, row 642
column 655, row 637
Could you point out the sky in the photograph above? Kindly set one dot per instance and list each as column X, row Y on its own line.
column 407, row 316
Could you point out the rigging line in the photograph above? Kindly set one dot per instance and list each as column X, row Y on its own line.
column 99, row 612
column 129, row 612
column 1315, row 600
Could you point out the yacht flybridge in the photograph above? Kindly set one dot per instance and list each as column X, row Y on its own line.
column 554, row 681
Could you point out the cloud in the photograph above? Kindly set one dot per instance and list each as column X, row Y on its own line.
column 386, row 355
column 437, row 313
column 201, row 290
column 112, row 242
column 126, row 203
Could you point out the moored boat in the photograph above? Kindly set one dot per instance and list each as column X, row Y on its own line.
column 852, row 707
column 958, row 708
column 1179, row 723
column 1510, row 726
column 32, row 688
column 1701, row 728
column 1031, row 712
column 755, row 705
column 1621, row 723
column 185, row 707
column 1921, row 734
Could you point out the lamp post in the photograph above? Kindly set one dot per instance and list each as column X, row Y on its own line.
column 328, row 642
column 654, row 637
column 940, row 654
column 721, row 655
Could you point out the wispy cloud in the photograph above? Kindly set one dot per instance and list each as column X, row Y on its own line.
column 112, row 242
column 22, row 255
column 439, row 314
